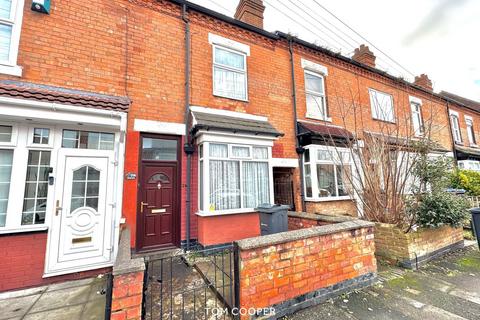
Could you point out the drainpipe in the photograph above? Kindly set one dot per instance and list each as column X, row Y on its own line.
column 455, row 156
column 188, row 147
column 299, row 149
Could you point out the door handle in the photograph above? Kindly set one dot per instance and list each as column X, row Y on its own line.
column 141, row 206
column 57, row 207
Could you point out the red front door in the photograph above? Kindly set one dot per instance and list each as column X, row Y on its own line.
column 158, row 209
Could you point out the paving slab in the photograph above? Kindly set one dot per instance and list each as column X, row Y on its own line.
column 446, row 288
column 72, row 300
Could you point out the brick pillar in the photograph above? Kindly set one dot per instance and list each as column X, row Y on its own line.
column 127, row 296
column 127, row 291
column 251, row 12
column 364, row 55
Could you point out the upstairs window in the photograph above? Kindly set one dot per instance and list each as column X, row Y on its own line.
column 382, row 106
column 457, row 136
column 315, row 95
column 417, row 120
column 11, row 12
column 229, row 73
column 470, row 131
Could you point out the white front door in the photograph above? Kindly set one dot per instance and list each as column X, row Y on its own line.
column 82, row 222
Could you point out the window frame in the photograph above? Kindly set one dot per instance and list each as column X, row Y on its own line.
column 204, row 183
column 323, row 96
column 456, row 132
column 313, row 151
column 229, row 68
column 10, row 66
column 14, row 138
column 470, row 131
column 51, row 138
column 375, row 116
column 420, row 131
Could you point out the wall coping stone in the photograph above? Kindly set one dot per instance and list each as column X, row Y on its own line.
column 288, row 236
column 124, row 263
column 320, row 217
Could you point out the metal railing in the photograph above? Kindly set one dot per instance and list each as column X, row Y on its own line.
column 200, row 284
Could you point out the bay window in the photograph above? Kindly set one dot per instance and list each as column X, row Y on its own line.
column 233, row 177
column 327, row 173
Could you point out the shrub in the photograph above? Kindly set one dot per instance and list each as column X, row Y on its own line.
column 441, row 208
column 466, row 179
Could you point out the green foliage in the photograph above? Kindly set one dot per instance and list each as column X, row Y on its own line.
column 430, row 206
column 441, row 208
column 466, row 179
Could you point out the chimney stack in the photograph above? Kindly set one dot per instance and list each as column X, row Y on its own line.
column 251, row 12
column 424, row 82
column 364, row 55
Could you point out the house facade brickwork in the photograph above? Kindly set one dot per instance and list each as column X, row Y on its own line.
column 134, row 52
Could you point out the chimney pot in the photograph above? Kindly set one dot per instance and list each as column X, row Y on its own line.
column 364, row 55
column 251, row 12
column 424, row 81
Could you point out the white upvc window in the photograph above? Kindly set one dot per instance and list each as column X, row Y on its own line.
column 470, row 131
column 11, row 15
column 382, row 106
column 327, row 173
column 454, row 120
column 233, row 177
column 417, row 119
column 229, row 73
column 315, row 95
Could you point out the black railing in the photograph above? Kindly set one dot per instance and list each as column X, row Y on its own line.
column 200, row 284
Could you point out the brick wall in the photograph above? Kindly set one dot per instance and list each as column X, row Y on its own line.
column 136, row 48
column 342, row 207
column 277, row 268
column 397, row 246
column 127, row 296
column 23, row 258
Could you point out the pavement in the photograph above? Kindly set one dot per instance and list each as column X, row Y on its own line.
column 73, row 300
column 447, row 288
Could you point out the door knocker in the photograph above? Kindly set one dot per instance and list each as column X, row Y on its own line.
column 159, row 186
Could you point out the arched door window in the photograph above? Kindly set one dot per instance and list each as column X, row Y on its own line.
column 85, row 188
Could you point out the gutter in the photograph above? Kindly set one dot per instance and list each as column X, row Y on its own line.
column 187, row 147
column 300, row 150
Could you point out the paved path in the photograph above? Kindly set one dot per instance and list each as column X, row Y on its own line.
column 448, row 288
column 72, row 300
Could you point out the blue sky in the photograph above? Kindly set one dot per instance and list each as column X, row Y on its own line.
column 436, row 37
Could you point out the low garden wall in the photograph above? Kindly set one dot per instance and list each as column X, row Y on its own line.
column 302, row 220
column 296, row 269
column 413, row 249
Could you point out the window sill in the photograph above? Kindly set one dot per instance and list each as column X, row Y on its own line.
column 23, row 229
column 230, row 98
column 327, row 119
column 11, row 70
column 328, row 199
column 224, row 212
column 386, row 121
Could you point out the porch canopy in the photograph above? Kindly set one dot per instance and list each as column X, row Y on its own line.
column 225, row 122
column 313, row 133
column 466, row 153
column 406, row 142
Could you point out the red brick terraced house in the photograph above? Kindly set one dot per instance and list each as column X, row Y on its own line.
column 177, row 122
column 465, row 126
